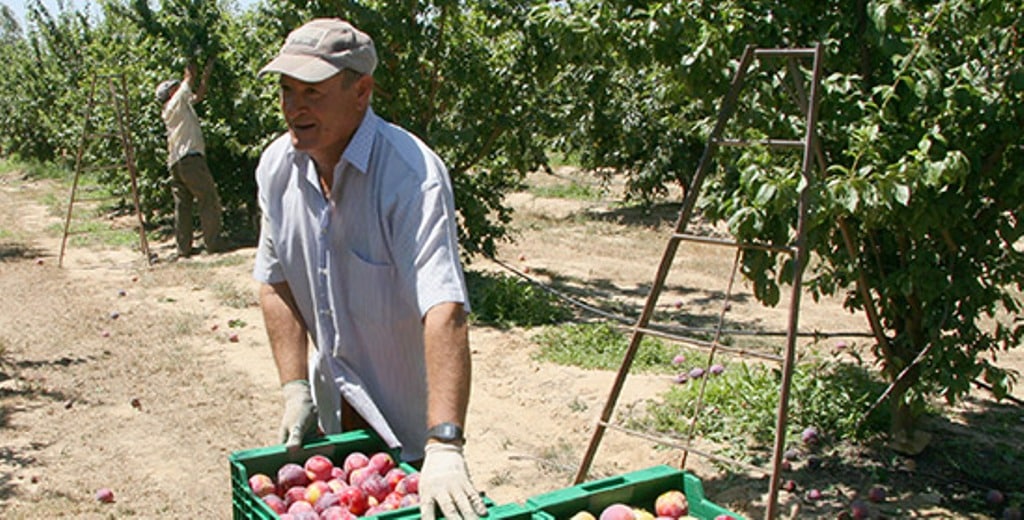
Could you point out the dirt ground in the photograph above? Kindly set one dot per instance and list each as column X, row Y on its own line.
column 144, row 378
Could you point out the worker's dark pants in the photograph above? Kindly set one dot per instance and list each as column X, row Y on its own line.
column 191, row 181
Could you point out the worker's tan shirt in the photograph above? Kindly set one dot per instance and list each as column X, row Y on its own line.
column 184, row 136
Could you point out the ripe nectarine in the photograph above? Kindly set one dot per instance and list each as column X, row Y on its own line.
column 672, row 503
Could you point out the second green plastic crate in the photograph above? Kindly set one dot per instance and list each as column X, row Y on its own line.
column 638, row 489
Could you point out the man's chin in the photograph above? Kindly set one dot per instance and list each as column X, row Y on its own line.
column 299, row 143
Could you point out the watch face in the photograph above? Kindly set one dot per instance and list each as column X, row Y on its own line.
column 446, row 432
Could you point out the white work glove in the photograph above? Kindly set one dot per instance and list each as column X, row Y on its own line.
column 444, row 482
column 299, row 419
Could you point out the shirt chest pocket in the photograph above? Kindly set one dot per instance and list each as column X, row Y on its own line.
column 370, row 297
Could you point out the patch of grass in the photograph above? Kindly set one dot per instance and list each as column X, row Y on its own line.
column 230, row 295
column 215, row 261
column 34, row 169
column 601, row 346
column 573, row 191
column 503, row 477
column 558, row 159
column 578, row 405
column 740, row 405
column 504, row 301
column 94, row 233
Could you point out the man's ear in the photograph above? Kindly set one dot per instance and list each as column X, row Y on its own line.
column 364, row 87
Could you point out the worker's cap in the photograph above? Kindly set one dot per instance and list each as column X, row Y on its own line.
column 321, row 49
column 164, row 89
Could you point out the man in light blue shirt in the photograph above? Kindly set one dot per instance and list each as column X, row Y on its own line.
column 358, row 250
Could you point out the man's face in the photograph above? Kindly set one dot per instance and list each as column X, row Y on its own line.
column 323, row 116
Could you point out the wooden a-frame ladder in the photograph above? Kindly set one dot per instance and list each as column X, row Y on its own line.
column 117, row 97
column 807, row 100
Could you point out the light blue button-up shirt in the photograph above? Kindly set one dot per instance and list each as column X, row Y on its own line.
column 364, row 267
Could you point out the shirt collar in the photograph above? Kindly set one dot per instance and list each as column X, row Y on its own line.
column 357, row 153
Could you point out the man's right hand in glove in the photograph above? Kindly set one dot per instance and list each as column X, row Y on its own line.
column 300, row 418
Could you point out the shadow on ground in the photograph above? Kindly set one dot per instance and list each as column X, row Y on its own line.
column 972, row 468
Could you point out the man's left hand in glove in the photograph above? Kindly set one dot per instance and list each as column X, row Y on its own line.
column 444, row 483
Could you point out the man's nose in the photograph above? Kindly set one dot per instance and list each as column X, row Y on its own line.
column 291, row 103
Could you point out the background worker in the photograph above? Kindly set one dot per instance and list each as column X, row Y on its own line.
column 191, row 179
column 358, row 250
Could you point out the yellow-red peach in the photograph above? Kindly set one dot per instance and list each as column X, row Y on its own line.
column 318, row 467
column 291, row 475
column 382, row 461
column 262, row 485
column 672, row 503
column 275, row 503
column 617, row 512
column 315, row 490
column 355, row 460
column 294, row 494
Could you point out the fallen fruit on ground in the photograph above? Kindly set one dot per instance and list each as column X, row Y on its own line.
column 810, row 435
column 105, row 495
column 859, row 510
column 995, row 497
column 876, row 494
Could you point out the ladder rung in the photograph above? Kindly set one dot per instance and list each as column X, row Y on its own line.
column 773, row 143
column 776, row 53
column 733, row 243
column 707, row 344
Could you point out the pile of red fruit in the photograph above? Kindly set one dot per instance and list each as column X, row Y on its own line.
column 318, row 490
column 670, row 505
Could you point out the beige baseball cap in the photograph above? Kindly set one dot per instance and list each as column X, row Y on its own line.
column 322, row 48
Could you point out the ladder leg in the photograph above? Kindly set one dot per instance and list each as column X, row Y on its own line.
column 78, row 170
column 800, row 262
column 129, row 159
column 728, row 106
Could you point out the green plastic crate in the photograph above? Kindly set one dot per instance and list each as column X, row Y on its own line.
column 637, row 489
column 502, row 512
column 247, row 506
